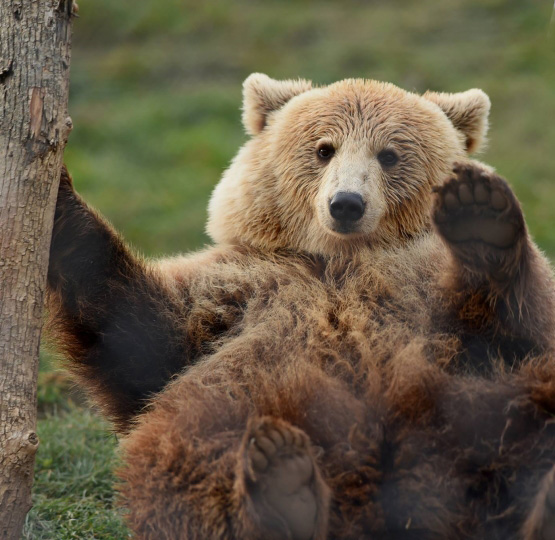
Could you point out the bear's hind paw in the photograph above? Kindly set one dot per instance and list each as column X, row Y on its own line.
column 283, row 480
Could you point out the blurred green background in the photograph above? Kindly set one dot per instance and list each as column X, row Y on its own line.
column 155, row 101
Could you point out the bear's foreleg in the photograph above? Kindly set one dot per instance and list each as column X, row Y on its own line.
column 498, row 277
column 111, row 315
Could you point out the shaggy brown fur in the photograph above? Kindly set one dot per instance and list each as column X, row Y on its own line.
column 297, row 381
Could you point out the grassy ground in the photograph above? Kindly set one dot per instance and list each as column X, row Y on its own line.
column 155, row 101
column 73, row 495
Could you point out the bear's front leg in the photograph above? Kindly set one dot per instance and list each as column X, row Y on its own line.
column 279, row 479
column 480, row 219
column 112, row 314
column 498, row 279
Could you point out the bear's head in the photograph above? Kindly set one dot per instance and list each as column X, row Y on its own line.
column 336, row 168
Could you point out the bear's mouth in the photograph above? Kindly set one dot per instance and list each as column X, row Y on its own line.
column 346, row 229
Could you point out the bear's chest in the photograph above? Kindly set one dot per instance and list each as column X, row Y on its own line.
column 361, row 310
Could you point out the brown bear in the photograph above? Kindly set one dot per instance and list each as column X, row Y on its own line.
column 365, row 353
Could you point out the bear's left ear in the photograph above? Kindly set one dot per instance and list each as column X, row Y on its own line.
column 468, row 111
column 262, row 95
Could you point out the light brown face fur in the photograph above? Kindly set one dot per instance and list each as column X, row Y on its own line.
column 277, row 191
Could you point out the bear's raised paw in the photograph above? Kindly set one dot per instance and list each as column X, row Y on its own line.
column 283, row 479
column 477, row 206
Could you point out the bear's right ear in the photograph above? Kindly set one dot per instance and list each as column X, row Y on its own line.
column 262, row 95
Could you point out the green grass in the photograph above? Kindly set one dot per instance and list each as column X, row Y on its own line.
column 73, row 495
column 155, row 101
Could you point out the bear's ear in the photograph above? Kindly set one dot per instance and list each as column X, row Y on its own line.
column 262, row 95
column 468, row 111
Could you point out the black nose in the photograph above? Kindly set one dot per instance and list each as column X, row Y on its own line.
column 346, row 207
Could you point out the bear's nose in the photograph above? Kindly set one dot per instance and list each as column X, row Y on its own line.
column 346, row 207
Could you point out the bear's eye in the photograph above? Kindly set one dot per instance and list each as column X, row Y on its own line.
column 388, row 158
column 326, row 151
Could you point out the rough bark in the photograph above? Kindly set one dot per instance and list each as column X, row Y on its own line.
column 34, row 82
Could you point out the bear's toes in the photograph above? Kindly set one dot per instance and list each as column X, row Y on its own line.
column 284, row 483
column 476, row 206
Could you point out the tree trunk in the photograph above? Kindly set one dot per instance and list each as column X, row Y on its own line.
column 34, row 83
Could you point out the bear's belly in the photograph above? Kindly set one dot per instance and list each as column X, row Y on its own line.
column 351, row 329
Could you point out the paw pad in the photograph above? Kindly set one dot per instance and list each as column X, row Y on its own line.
column 282, row 471
column 477, row 206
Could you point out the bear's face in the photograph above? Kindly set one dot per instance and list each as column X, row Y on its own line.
column 332, row 169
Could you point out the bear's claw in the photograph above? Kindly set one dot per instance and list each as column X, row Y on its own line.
column 283, row 475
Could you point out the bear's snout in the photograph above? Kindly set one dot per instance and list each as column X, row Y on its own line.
column 346, row 207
